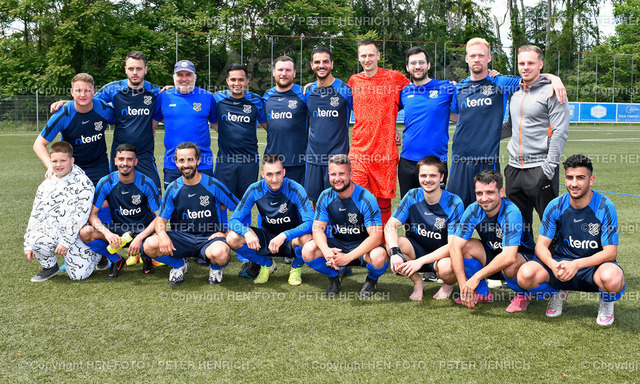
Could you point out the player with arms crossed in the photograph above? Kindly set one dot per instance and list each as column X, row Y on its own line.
column 355, row 222
column 193, row 203
column 286, row 215
column 133, row 202
column 431, row 215
column 586, row 223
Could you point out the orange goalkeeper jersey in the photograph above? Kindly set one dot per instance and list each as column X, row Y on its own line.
column 375, row 106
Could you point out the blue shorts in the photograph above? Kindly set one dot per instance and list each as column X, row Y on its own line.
column 316, row 180
column 173, row 174
column 120, row 228
column 237, row 176
column 490, row 254
column 582, row 281
column 96, row 172
column 345, row 247
column 296, row 173
column 420, row 251
column 146, row 166
column 189, row 245
column 265, row 238
column 461, row 178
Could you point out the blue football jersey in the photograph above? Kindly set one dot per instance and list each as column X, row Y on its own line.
column 286, row 210
column 502, row 230
column 350, row 217
column 480, row 106
column 287, row 132
column 197, row 209
column 237, row 125
column 84, row 131
column 426, row 119
column 329, row 111
column 582, row 232
column 133, row 114
column 186, row 118
column 430, row 224
column 132, row 203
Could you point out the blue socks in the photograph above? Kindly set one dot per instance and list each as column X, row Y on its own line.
column 374, row 273
column 100, row 247
column 170, row 261
column 513, row 284
column 298, row 261
column 543, row 291
column 471, row 267
column 320, row 265
column 252, row 255
column 609, row 297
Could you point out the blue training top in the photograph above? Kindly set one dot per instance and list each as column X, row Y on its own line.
column 582, row 232
column 196, row 209
column 286, row 210
column 426, row 119
column 430, row 225
column 186, row 118
column 287, row 130
column 132, row 203
column 349, row 218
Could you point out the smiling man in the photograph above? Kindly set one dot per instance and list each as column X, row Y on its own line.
column 286, row 215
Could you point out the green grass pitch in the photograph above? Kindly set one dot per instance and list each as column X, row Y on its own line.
column 140, row 329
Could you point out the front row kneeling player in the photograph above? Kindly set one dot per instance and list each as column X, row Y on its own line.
column 586, row 223
column 194, row 203
column 354, row 217
column 286, row 215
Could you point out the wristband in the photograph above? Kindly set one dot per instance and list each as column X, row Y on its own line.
column 396, row 251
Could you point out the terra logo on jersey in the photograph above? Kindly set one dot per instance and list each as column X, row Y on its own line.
column 582, row 244
column 344, row 230
column 236, row 118
column 89, row 139
column 276, row 221
column 326, row 113
column 128, row 212
column 135, row 111
column 279, row 115
column 189, row 214
column 472, row 103
column 428, row 234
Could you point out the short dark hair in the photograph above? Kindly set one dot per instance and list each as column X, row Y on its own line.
column 137, row 55
column 271, row 158
column 488, row 176
column 340, row 159
column 435, row 161
column 321, row 50
column 577, row 161
column 414, row 51
column 188, row 145
column 61, row 147
column 127, row 148
column 238, row 67
column 368, row 42
column 283, row 59
column 532, row 48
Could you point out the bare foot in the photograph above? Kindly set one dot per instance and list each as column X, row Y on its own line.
column 444, row 292
column 418, row 286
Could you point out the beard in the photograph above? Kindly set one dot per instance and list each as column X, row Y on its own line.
column 344, row 187
column 190, row 175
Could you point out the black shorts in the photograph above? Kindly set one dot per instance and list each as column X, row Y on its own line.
column 316, row 180
column 296, row 173
column 189, row 245
column 420, row 251
column 582, row 281
column 237, row 177
column 265, row 238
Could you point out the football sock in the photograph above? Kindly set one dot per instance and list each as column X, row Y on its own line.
column 471, row 267
column 608, row 297
column 543, row 291
column 385, row 209
column 100, row 247
column 320, row 265
column 170, row 261
column 374, row 272
column 253, row 256
column 298, row 261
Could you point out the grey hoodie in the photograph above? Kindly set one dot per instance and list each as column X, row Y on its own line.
column 538, row 125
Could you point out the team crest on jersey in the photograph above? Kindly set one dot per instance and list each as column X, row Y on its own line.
column 293, row 104
column 334, row 101
column 487, row 90
column 197, row 107
column 147, row 100
column 204, row 200
column 593, row 229
column 283, row 208
column 498, row 231
column 439, row 224
column 433, row 94
column 136, row 199
column 98, row 125
column 246, row 108
column 353, row 218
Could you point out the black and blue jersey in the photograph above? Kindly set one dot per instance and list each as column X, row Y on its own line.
column 581, row 232
column 132, row 203
column 287, row 132
column 237, row 125
column 133, row 114
column 480, row 106
column 429, row 225
column 329, row 110
column 197, row 209
column 186, row 118
column 349, row 218
column 426, row 119
column 502, row 230
column 286, row 210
